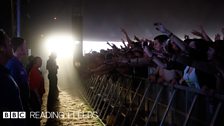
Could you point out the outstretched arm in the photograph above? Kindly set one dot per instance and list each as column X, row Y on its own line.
column 222, row 33
column 205, row 35
column 217, row 37
column 201, row 34
column 154, row 58
column 122, row 40
column 126, row 35
column 160, row 27
column 137, row 39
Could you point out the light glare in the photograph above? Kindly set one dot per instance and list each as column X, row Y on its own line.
column 62, row 45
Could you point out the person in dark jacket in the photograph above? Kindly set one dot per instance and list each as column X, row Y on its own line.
column 52, row 68
column 18, row 71
column 9, row 91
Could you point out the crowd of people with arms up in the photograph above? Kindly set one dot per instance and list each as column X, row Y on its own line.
column 167, row 59
column 194, row 62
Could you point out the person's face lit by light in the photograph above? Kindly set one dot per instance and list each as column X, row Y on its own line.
column 157, row 46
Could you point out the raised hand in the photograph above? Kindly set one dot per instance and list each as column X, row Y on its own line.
column 197, row 33
column 136, row 38
column 109, row 44
column 201, row 33
column 123, row 30
column 160, row 27
column 204, row 34
column 122, row 40
column 217, row 37
column 223, row 33
column 126, row 35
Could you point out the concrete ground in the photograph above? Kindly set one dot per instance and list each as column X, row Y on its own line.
column 68, row 101
column 76, row 112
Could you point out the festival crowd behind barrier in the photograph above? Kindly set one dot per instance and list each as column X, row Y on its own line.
column 193, row 62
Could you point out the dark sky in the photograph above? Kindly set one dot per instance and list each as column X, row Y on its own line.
column 102, row 19
column 138, row 16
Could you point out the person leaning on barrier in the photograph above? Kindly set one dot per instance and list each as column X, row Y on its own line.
column 194, row 50
column 172, row 54
column 9, row 91
column 160, row 54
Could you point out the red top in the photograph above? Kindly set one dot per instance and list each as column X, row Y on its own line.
column 36, row 81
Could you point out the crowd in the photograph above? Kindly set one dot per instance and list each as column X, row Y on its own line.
column 22, row 88
column 193, row 62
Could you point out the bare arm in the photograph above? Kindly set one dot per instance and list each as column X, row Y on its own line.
column 222, row 33
column 173, row 37
column 205, row 35
column 126, row 35
column 202, row 34
column 156, row 60
column 139, row 62
column 102, row 68
column 122, row 40
column 217, row 37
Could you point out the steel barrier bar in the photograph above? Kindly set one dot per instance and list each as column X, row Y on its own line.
column 100, row 94
column 106, row 98
column 92, row 87
column 129, row 108
column 105, row 93
column 95, row 90
column 168, row 107
column 145, row 92
column 216, row 114
column 94, row 97
column 154, row 105
column 109, row 103
column 121, row 103
column 116, row 102
column 111, row 112
column 190, row 110
column 98, row 89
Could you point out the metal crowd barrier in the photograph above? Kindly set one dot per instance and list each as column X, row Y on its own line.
column 129, row 101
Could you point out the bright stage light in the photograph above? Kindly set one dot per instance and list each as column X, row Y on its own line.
column 63, row 45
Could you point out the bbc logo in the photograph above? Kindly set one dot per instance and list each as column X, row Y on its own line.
column 14, row 115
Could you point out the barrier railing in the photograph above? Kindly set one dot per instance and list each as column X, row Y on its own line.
column 123, row 100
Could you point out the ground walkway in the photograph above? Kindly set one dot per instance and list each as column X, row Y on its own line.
column 80, row 113
column 69, row 102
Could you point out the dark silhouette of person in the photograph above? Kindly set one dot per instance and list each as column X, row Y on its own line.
column 52, row 68
column 52, row 101
column 18, row 71
column 9, row 91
